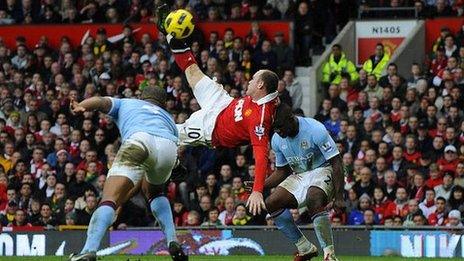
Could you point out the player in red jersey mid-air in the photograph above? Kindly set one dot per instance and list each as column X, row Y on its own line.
column 224, row 121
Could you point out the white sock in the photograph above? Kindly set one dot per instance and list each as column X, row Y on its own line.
column 330, row 253
column 304, row 246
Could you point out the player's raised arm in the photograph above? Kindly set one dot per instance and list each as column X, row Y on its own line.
column 180, row 50
column 102, row 104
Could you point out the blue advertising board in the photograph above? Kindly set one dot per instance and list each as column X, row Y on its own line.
column 417, row 243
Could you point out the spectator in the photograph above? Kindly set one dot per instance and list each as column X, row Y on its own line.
column 294, row 88
column 213, row 219
column 212, row 188
column 193, row 219
column 399, row 206
column 265, row 58
column 8, row 216
column 428, row 205
column 241, row 217
column 459, row 180
column 20, row 60
column 226, row 175
column 227, row 215
column 419, row 219
column 418, row 187
column 450, row 161
column 380, row 202
column 373, row 89
column 46, row 217
column 205, row 206
column 437, row 218
column 334, row 95
column 391, row 185
column 34, row 211
column 20, row 221
column 180, row 214
column 338, row 66
column 283, row 52
column 352, row 201
column 357, row 215
column 444, row 189
column 456, row 199
column 84, row 215
column 376, row 62
column 369, row 218
column 442, row 8
column 333, row 123
column 454, row 219
column 304, row 32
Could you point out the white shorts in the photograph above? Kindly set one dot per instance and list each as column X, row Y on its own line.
column 145, row 155
column 298, row 184
column 198, row 128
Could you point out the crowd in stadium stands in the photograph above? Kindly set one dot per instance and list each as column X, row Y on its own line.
column 401, row 136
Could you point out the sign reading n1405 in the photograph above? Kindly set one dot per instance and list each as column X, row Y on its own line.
column 386, row 29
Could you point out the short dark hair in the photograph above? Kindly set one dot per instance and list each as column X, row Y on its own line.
column 282, row 114
column 155, row 95
column 270, row 79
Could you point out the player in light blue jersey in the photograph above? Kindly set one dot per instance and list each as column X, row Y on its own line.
column 147, row 155
column 309, row 174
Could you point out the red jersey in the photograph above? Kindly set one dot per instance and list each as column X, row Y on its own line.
column 246, row 121
column 394, row 209
column 413, row 157
column 445, row 165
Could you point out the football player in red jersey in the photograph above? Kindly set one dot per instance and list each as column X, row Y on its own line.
column 224, row 121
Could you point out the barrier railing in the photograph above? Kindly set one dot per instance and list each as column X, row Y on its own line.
column 308, row 227
column 386, row 12
column 417, row 242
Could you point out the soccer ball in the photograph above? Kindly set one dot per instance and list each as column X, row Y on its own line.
column 179, row 23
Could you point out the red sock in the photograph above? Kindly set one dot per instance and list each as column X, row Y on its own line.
column 184, row 59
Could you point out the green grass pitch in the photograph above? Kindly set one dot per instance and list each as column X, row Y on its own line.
column 223, row 258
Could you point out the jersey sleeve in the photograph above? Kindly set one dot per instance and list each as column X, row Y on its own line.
column 280, row 158
column 324, row 141
column 115, row 105
column 259, row 128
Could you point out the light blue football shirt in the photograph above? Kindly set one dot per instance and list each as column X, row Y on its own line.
column 311, row 148
column 133, row 115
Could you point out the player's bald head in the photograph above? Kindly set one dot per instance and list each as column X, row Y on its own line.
column 155, row 95
column 270, row 80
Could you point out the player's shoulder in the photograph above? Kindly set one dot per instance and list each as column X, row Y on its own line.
column 311, row 123
column 275, row 141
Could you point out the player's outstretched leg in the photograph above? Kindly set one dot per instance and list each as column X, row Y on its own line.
column 316, row 201
column 161, row 210
column 114, row 191
column 277, row 204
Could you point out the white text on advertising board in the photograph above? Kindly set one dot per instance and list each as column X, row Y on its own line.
column 443, row 245
column 22, row 246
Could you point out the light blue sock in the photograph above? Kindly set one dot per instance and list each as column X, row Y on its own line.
column 323, row 230
column 161, row 209
column 285, row 223
column 101, row 219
